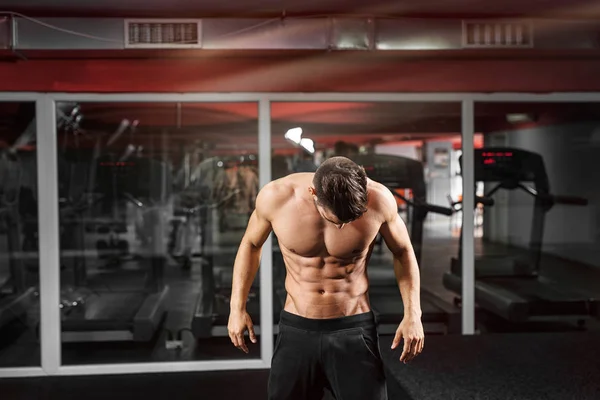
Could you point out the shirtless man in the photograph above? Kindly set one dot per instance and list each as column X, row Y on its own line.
column 326, row 224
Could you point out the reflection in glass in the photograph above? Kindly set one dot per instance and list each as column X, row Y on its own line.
column 537, row 262
column 154, row 200
column 19, row 267
column 413, row 149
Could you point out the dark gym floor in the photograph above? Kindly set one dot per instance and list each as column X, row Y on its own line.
column 504, row 367
column 550, row 366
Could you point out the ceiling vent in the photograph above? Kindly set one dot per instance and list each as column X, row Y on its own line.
column 163, row 34
column 494, row 35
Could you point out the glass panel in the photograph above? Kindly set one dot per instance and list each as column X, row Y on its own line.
column 19, row 262
column 154, row 198
column 538, row 255
column 413, row 149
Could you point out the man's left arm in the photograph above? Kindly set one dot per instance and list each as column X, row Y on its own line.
column 397, row 239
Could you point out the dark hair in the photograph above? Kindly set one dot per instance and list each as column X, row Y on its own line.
column 341, row 187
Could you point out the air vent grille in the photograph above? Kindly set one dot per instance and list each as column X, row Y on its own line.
column 497, row 34
column 176, row 34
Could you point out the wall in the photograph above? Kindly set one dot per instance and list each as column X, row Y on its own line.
column 439, row 184
column 571, row 157
column 398, row 150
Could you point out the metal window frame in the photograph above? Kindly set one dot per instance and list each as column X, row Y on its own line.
column 468, row 223
column 48, row 235
column 48, row 226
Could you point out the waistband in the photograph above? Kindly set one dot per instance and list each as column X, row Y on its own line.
column 364, row 320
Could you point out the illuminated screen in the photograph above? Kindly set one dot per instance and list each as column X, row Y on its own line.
column 389, row 172
column 492, row 157
column 495, row 165
column 393, row 171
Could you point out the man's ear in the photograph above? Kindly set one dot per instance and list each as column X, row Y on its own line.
column 312, row 190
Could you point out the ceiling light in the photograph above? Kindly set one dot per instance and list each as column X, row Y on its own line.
column 294, row 135
column 308, row 145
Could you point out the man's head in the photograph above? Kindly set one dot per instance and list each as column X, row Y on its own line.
column 340, row 190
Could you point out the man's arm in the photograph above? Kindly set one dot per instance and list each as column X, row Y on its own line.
column 396, row 238
column 406, row 269
column 246, row 265
column 247, row 259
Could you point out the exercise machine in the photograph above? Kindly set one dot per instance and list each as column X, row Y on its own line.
column 16, row 297
column 514, row 288
column 219, row 248
column 401, row 173
column 127, row 313
column 193, row 195
column 125, row 305
column 510, row 168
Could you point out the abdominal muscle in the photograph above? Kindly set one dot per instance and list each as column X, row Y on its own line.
column 326, row 287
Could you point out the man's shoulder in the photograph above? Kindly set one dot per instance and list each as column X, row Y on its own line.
column 381, row 198
column 278, row 192
column 278, row 189
column 377, row 191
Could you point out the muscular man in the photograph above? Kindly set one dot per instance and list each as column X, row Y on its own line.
column 326, row 223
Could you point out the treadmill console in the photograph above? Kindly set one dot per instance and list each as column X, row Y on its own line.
column 393, row 171
column 504, row 164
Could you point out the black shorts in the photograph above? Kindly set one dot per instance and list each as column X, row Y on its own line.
column 340, row 354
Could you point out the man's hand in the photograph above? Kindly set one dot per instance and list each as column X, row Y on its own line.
column 411, row 329
column 239, row 321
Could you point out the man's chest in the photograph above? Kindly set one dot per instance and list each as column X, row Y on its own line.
column 311, row 237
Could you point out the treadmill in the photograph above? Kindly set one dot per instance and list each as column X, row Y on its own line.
column 509, row 168
column 16, row 297
column 509, row 287
column 397, row 172
column 93, row 310
column 218, row 251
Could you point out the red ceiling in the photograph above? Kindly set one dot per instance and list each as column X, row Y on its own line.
column 313, row 72
column 235, row 124
column 363, row 117
column 209, row 114
column 371, row 116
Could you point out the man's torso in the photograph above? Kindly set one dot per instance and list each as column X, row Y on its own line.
column 326, row 266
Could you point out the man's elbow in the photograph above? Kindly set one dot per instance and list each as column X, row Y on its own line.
column 251, row 244
column 399, row 251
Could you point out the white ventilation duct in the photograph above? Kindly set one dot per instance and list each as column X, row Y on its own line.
column 327, row 34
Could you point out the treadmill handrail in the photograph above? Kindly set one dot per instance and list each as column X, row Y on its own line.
column 570, row 200
column 552, row 199
column 210, row 206
column 483, row 200
column 425, row 206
